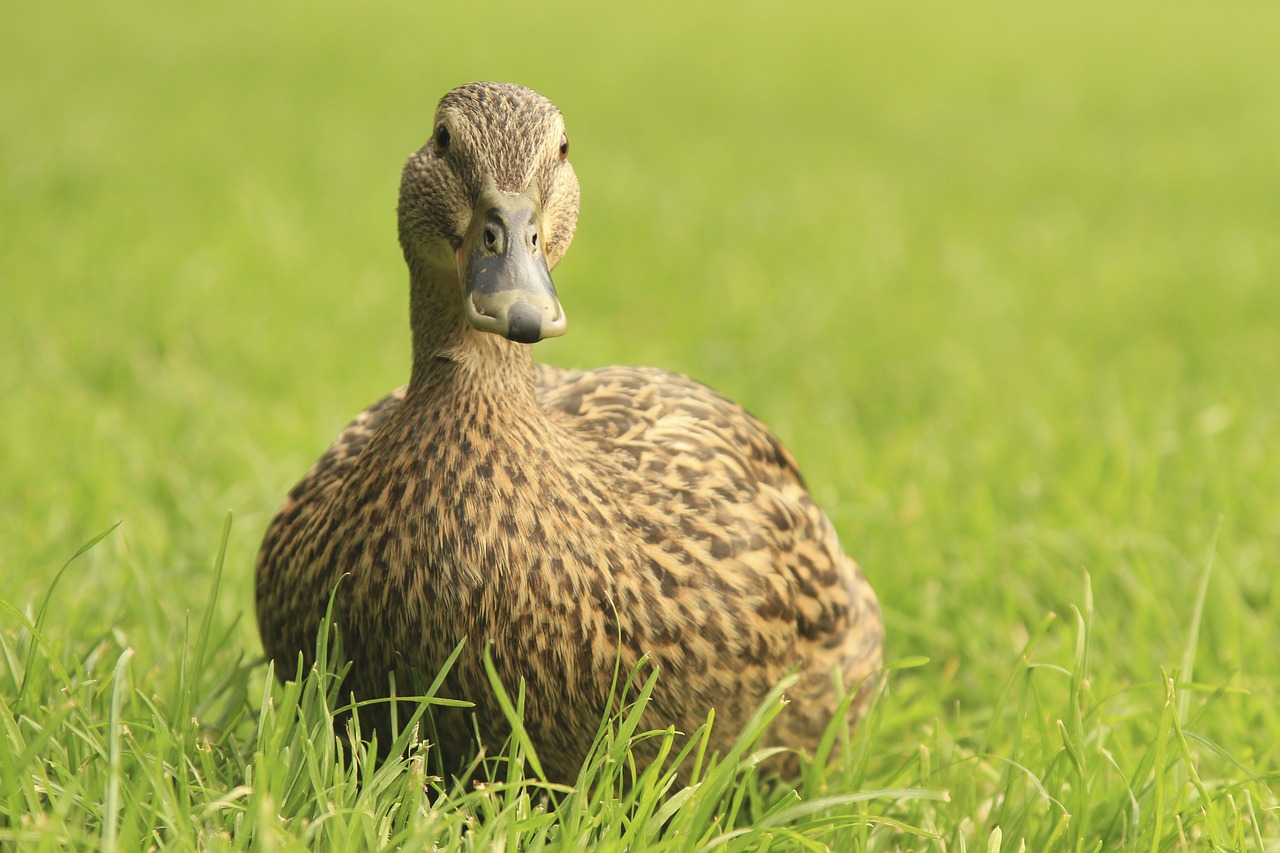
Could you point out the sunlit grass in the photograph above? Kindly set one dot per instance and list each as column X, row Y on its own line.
column 1004, row 280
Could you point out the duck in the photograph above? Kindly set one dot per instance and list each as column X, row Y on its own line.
column 568, row 524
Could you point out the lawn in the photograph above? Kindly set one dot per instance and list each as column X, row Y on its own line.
column 1005, row 278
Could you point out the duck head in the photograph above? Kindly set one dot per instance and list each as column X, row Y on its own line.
column 487, row 208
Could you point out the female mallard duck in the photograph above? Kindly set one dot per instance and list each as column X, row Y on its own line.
column 560, row 516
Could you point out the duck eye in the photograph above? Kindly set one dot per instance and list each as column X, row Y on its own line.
column 442, row 140
column 564, row 146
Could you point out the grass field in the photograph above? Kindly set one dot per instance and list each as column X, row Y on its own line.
column 1006, row 279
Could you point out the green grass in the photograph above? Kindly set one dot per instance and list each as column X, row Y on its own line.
column 1004, row 278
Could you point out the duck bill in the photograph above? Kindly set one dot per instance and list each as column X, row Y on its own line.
column 506, row 285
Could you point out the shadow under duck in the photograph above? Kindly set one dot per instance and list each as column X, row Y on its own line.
column 564, row 517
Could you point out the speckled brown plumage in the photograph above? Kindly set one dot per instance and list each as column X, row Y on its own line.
column 560, row 516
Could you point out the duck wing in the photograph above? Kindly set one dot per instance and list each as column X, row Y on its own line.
column 728, row 483
column 290, row 629
column 695, row 449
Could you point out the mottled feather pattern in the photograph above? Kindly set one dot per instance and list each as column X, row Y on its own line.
column 562, row 517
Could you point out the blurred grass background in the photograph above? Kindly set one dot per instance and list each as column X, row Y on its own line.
column 1004, row 276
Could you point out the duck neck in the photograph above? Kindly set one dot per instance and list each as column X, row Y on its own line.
column 446, row 349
